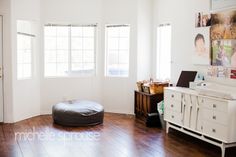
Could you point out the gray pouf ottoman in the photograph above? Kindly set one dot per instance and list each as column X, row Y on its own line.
column 78, row 113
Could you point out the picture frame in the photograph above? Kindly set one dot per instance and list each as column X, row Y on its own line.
column 220, row 5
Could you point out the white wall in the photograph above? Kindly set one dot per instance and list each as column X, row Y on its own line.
column 144, row 43
column 26, row 93
column 5, row 10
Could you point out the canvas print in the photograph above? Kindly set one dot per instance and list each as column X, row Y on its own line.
column 202, row 20
column 206, row 20
column 198, row 19
column 223, row 53
column 223, row 25
column 201, row 46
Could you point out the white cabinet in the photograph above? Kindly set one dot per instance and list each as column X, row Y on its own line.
column 208, row 118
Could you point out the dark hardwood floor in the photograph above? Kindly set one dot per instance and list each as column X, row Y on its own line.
column 118, row 136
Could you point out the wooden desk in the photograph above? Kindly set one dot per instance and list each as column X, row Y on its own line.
column 145, row 104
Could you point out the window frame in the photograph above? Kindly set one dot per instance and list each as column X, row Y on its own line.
column 72, row 73
column 31, row 37
column 158, row 58
column 106, row 74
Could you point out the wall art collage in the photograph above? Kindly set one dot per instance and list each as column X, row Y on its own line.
column 215, row 42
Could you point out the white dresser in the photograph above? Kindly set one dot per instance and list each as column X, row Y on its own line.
column 205, row 117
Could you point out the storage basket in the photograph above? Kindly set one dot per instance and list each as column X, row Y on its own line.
column 157, row 87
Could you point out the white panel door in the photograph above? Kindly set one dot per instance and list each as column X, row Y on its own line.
column 1, row 71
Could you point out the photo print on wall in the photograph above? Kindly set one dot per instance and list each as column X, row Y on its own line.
column 233, row 73
column 223, row 37
column 198, row 19
column 223, row 53
column 223, row 25
column 218, row 71
column 212, row 71
column 201, row 43
column 202, row 20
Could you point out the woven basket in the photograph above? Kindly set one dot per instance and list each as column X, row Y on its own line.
column 157, row 87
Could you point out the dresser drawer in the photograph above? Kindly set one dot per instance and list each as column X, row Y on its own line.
column 172, row 95
column 214, row 104
column 173, row 117
column 173, row 105
column 215, row 130
column 215, row 116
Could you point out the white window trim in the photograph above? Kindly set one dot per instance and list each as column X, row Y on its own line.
column 158, row 49
column 70, row 72
column 32, row 36
column 106, row 51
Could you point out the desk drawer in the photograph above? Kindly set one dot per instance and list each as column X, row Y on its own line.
column 215, row 130
column 173, row 117
column 173, row 105
column 215, row 116
column 214, row 104
column 172, row 95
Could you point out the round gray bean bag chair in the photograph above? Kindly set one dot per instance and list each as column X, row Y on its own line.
column 78, row 113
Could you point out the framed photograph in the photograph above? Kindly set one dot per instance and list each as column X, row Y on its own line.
column 219, row 5
column 201, row 43
column 223, row 53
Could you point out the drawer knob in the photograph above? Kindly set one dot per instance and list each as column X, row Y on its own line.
column 214, row 117
column 172, row 96
column 214, row 105
column 172, row 105
column 202, row 101
column 172, row 116
column 214, row 130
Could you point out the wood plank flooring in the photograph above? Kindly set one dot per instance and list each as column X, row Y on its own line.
column 119, row 136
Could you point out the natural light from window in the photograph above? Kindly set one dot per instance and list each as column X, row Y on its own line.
column 69, row 50
column 163, row 62
column 117, row 50
column 24, row 49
